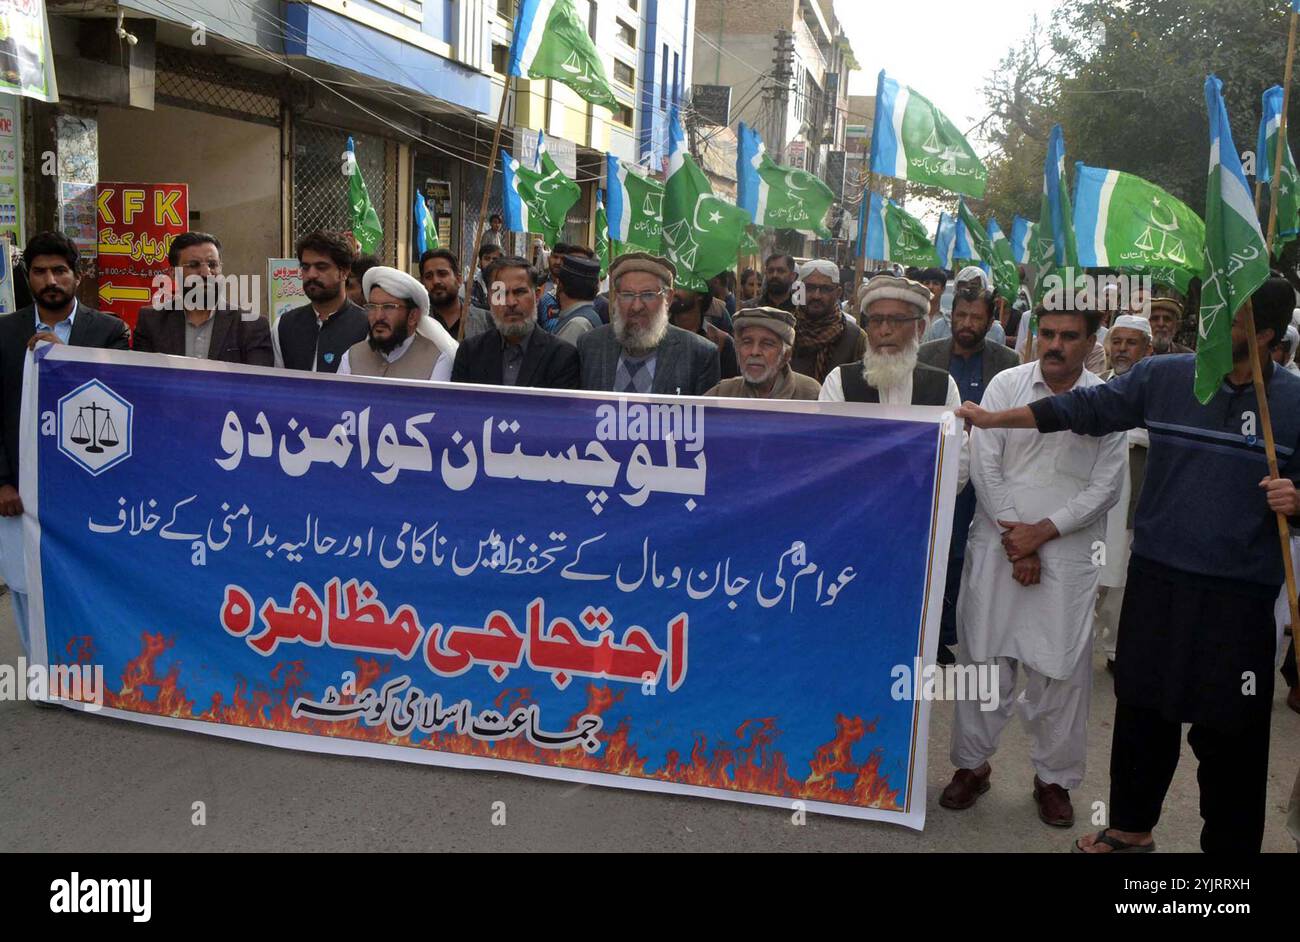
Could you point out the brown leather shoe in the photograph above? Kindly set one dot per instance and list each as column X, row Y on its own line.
column 966, row 787
column 1054, row 806
column 1293, row 699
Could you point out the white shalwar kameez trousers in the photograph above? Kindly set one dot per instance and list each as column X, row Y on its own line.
column 1044, row 630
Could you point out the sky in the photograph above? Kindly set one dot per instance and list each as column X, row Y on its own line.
column 942, row 48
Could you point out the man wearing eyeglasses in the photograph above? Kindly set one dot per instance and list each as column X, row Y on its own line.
column 888, row 370
column 404, row 341
column 193, row 319
column 824, row 337
column 638, row 351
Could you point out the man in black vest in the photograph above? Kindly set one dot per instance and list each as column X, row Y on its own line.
column 56, row 317
column 314, row 337
column 893, row 310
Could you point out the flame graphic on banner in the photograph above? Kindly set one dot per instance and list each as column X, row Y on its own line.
column 753, row 764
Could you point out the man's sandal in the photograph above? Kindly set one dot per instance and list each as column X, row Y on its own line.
column 1116, row 846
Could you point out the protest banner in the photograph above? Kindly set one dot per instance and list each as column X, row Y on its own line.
column 699, row 597
column 137, row 223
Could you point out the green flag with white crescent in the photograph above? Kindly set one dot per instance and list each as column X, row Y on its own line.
column 778, row 197
column 361, row 212
column 1236, row 259
column 1288, row 198
column 911, row 139
column 546, row 192
column 894, row 235
column 702, row 233
column 996, row 255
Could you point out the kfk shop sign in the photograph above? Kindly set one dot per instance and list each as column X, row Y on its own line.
column 137, row 223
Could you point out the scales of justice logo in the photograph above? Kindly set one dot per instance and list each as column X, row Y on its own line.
column 94, row 427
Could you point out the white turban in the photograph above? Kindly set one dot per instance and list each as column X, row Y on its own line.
column 820, row 266
column 972, row 273
column 1133, row 322
column 397, row 283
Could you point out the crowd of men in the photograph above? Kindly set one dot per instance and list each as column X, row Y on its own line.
column 1185, row 591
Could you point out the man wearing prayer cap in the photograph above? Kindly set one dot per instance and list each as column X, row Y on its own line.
column 638, row 351
column 1127, row 342
column 577, row 280
column 971, row 281
column 404, row 341
column 1166, row 316
column 887, row 370
column 823, row 337
column 765, row 342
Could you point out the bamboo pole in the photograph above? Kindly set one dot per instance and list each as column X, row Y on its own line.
column 483, row 205
column 860, row 263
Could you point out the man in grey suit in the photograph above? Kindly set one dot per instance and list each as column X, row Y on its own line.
column 638, row 351
column 972, row 360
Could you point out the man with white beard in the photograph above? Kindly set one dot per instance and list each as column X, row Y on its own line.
column 638, row 351
column 1029, row 582
column 764, row 341
column 888, row 373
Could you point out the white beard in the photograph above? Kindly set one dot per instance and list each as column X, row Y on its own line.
column 639, row 341
column 888, row 370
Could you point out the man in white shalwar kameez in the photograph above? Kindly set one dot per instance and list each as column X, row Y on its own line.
column 1027, row 590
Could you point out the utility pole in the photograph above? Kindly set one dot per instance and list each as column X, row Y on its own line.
column 777, row 94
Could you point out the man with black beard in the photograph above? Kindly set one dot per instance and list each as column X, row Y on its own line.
column 440, row 272
column 514, row 351
column 778, row 284
column 403, row 341
column 687, row 311
column 972, row 359
column 315, row 336
column 824, row 337
column 54, row 317
column 638, row 351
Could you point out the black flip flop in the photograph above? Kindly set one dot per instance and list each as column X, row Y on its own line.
column 1116, row 846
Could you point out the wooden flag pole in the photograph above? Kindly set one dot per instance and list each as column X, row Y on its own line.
column 487, row 194
column 860, row 264
column 1257, row 373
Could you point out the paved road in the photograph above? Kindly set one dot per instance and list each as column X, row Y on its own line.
column 75, row 782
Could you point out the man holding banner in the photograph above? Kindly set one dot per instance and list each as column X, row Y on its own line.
column 1197, row 639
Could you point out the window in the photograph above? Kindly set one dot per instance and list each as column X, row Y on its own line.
column 623, row 115
column 626, row 33
column 663, row 81
column 676, row 87
column 506, row 8
column 632, row 4
column 591, row 21
column 500, row 58
column 623, row 73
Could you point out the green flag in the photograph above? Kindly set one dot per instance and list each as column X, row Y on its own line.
column 1057, row 249
column 365, row 221
column 1122, row 221
column 996, row 254
column 1236, row 260
column 778, row 197
column 911, row 139
column 538, row 200
column 1288, row 199
column 702, row 233
column 894, row 235
column 602, row 235
column 634, row 205
column 551, row 41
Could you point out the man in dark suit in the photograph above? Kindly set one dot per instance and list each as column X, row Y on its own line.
column 514, row 351
column 55, row 317
column 638, row 350
column 196, row 322
column 972, row 360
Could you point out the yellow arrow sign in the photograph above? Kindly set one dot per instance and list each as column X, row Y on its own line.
column 110, row 292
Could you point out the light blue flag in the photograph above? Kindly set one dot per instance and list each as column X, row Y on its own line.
column 1022, row 234
column 1269, row 122
column 426, row 231
column 945, row 240
column 749, row 149
column 1058, row 202
column 516, row 210
column 962, row 250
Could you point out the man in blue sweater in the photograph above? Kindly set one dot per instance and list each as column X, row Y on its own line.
column 1197, row 637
